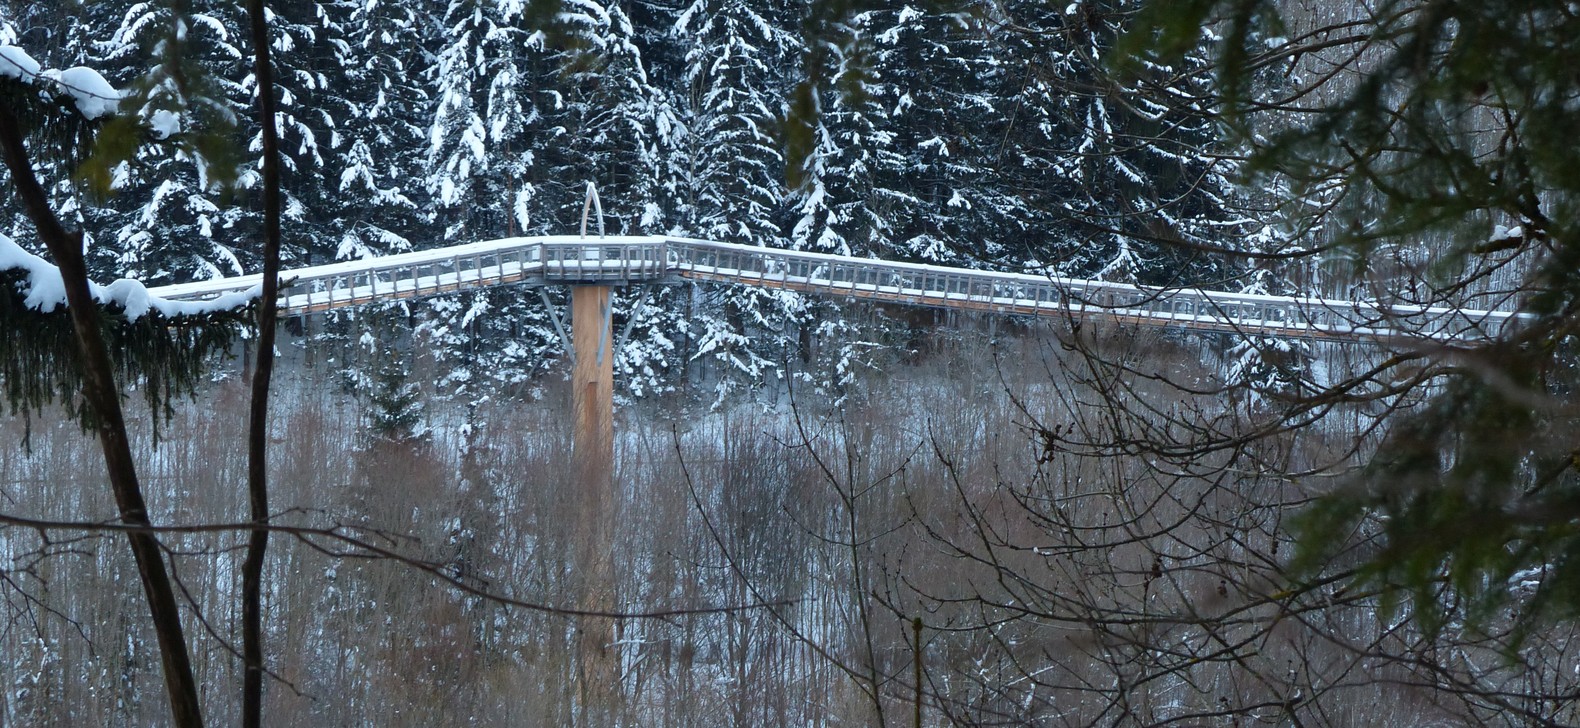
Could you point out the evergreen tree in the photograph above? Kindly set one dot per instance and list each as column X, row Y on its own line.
column 735, row 81
column 831, row 209
column 395, row 407
column 49, row 34
column 835, row 206
column 664, row 45
column 734, row 190
column 1124, row 181
column 618, row 112
column 486, row 127
column 377, row 199
column 170, row 217
column 305, row 38
column 483, row 176
column 623, row 121
column 936, row 192
column 153, row 197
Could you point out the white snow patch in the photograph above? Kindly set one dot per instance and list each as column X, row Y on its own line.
column 164, row 124
column 1503, row 234
column 45, row 288
column 93, row 95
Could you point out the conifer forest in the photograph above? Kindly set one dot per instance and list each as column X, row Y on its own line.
column 816, row 510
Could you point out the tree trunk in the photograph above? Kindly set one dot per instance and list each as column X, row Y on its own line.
column 258, row 415
column 104, row 400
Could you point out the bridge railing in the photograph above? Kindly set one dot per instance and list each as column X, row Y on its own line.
column 621, row 260
column 393, row 277
column 605, row 260
column 410, row 275
column 921, row 284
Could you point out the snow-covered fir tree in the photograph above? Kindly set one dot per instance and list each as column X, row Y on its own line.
column 941, row 91
column 482, row 174
column 626, row 123
column 54, row 36
column 312, row 101
column 156, row 203
column 378, row 199
column 486, row 127
column 735, row 81
column 735, row 78
column 177, row 214
column 1122, row 182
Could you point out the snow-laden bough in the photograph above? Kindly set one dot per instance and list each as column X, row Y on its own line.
column 45, row 291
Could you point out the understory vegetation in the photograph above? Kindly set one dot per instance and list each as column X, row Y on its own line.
column 983, row 514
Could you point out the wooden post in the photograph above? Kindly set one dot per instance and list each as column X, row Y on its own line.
column 592, row 462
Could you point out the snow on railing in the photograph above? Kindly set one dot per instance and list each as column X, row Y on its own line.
column 625, row 260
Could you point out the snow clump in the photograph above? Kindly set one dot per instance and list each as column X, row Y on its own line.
column 164, row 124
column 94, row 97
column 16, row 63
column 46, row 291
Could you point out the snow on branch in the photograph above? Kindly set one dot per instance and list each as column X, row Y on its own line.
column 93, row 95
column 45, row 291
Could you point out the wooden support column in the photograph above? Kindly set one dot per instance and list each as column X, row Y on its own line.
column 592, row 462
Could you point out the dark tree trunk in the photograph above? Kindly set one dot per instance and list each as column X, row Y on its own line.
column 104, row 398
column 258, row 416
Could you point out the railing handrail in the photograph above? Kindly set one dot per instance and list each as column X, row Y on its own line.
column 1082, row 284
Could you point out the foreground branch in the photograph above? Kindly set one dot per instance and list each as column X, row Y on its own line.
column 330, row 540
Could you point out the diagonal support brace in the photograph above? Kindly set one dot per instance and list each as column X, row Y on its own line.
column 631, row 319
column 559, row 326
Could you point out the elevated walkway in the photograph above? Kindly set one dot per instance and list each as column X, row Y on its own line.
column 619, row 261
